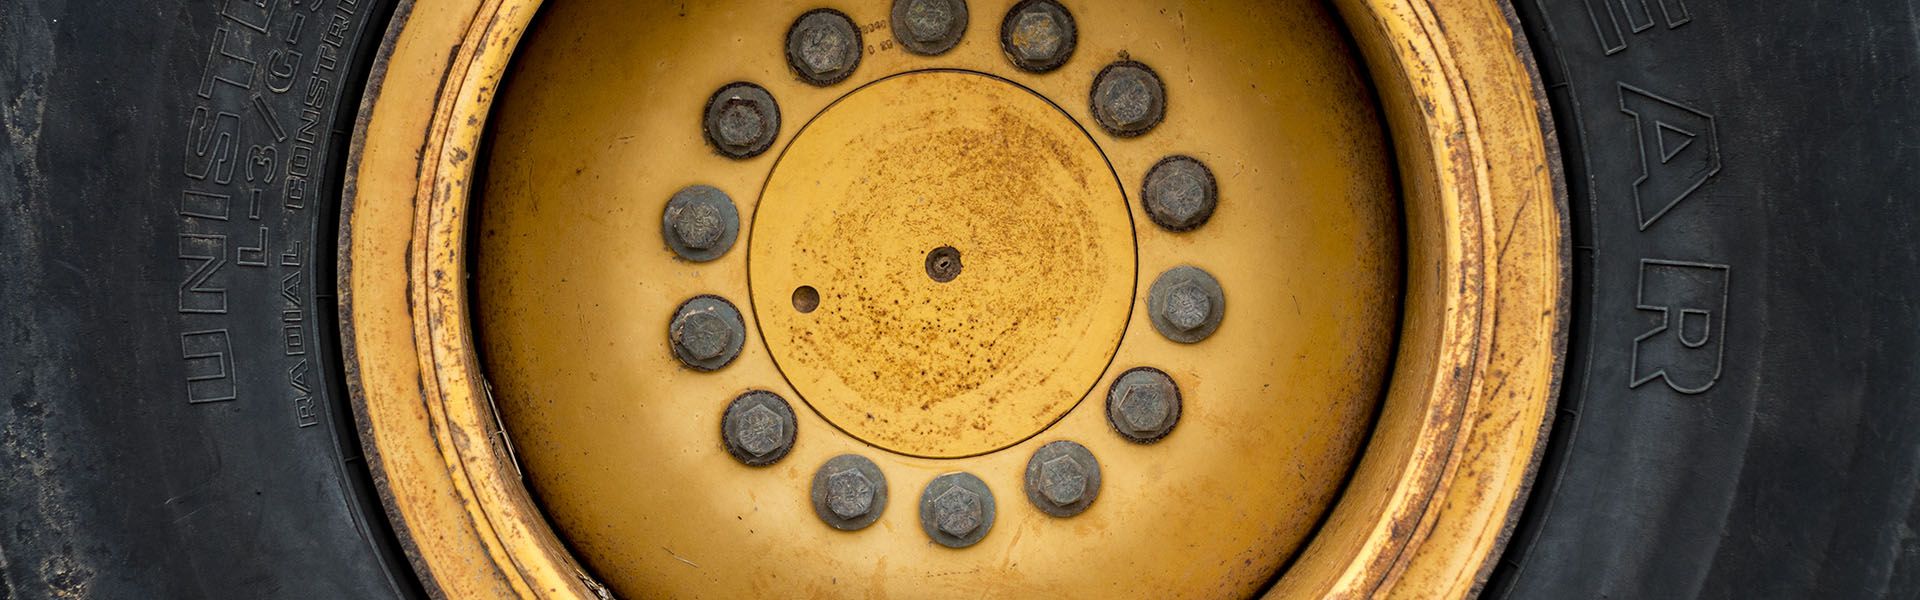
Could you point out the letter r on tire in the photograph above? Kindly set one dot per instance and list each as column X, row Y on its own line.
column 1685, row 346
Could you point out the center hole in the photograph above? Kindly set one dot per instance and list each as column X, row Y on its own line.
column 943, row 264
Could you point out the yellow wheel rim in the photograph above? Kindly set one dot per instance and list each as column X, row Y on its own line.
column 621, row 445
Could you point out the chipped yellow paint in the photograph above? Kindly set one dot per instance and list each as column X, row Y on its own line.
column 903, row 167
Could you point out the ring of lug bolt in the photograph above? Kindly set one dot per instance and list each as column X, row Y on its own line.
column 1185, row 304
column 823, row 47
column 758, row 428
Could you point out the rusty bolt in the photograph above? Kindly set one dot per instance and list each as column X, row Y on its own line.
column 741, row 120
column 823, row 46
column 698, row 227
column 758, row 428
column 1186, row 304
column 1038, row 35
column 1143, row 405
column 706, row 333
column 1128, row 99
column 700, row 223
column 740, row 123
column 703, row 336
column 760, row 431
column 849, row 492
column 1186, row 307
column 1062, row 478
column 956, row 510
column 1180, row 193
column 929, row 27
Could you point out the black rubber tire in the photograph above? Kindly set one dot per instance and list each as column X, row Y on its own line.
column 1767, row 445
column 175, row 424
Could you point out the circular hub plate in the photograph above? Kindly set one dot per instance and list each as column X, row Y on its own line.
column 939, row 159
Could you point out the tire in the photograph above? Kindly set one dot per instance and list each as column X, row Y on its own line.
column 175, row 424
column 1738, row 416
column 1767, row 443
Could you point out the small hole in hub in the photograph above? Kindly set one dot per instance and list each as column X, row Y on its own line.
column 805, row 299
column 943, row 264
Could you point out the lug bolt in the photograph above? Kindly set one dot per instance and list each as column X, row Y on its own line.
column 1038, row 35
column 1186, row 304
column 1128, row 99
column 956, row 510
column 1143, row 405
column 1180, row 193
column 706, row 333
column 741, row 120
column 1062, row 478
column 849, row 492
column 929, row 27
column 700, row 223
column 823, row 46
column 758, row 428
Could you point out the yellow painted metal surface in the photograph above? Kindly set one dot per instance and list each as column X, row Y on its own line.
column 597, row 127
column 1483, row 336
column 903, row 167
column 624, row 451
column 470, row 528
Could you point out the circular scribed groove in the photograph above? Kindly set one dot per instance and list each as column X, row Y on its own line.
column 905, row 350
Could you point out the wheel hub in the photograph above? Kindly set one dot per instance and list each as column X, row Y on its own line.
column 956, row 176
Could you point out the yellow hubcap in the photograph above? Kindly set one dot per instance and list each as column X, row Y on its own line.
column 1038, row 257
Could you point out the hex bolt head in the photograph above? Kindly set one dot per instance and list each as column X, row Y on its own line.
column 758, row 428
column 1038, row 35
column 823, row 46
column 1062, row 478
column 760, row 431
column 740, row 123
column 704, row 336
column 700, row 223
column 1179, row 193
column 956, row 510
column 741, row 120
column 1143, row 405
column 1143, row 408
column 1128, row 99
column 706, row 333
column 849, row 493
column 929, row 27
column 1186, row 304
column 698, row 227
